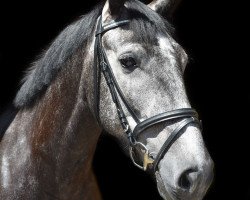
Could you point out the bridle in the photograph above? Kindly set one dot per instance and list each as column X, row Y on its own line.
column 186, row 115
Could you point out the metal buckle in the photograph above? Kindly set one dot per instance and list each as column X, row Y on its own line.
column 146, row 158
column 126, row 128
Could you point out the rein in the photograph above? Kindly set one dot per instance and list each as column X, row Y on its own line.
column 101, row 64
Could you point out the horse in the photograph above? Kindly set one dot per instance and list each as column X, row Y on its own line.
column 118, row 69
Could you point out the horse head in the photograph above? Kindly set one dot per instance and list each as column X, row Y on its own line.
column 141, row 98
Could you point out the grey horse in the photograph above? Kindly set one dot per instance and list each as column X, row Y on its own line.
column 47, row 150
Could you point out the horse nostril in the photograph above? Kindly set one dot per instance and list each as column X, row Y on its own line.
column 188, row 179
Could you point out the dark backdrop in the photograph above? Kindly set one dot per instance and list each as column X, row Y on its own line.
column 216, row 78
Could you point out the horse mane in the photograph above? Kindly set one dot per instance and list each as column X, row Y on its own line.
column 144, row 22
column 42, row 72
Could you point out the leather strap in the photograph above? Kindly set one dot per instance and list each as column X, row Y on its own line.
column 96, row 79
column 102, row 61
column 166, row 116
column 172, row 138
column 107, row 27
column 131, row 111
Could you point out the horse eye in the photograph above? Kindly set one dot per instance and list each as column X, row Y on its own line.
column 128, row 62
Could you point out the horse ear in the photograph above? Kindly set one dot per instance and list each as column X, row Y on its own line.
column 164, row 7
column 112, row 9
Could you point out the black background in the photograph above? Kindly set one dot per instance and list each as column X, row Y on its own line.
column 217, row 82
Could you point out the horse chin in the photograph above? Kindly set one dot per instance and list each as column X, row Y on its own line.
column 162, row 189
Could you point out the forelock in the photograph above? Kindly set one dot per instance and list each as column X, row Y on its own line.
column 146, row 24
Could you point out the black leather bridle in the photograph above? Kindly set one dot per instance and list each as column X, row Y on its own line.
column 186, row 115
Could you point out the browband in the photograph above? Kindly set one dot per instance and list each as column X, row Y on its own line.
column 110, row 26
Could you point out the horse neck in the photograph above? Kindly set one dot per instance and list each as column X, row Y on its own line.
column 56, row 137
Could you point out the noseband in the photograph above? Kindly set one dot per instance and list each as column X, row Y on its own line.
column 186, row 115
